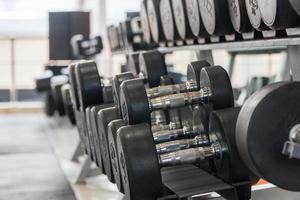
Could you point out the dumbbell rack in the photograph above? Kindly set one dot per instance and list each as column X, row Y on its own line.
column 204, row 51
column 197, row 181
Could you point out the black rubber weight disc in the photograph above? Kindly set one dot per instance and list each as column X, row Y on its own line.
column 155, row 20
column 89, row 84
column 296, row 5
column 180, row 18
column 216, row 78
column 113, row 127
column 134, row 102
column 278, row 14
column 263, row 127
column 42, row 83
column 97, row 139
column 105, row 117
column 116, row 83
column 88, row 126
column 167, row 19
column 49, row 105
column 145, row 22
column 239, row 16
column 133, row 63
column 73, row 83
column 152, row 67
column 254, row 15
column 193, row 15
column 138, row 161
column 194, row 70
column 66, row 94
column 230, row 167
column 215, row 16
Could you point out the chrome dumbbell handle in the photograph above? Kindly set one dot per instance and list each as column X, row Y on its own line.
column 180, row 100
column 190, row 156
column 171, row 89
column 174, row 134
column 177, row 145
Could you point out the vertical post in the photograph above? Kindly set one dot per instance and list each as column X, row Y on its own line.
column 294, row 60
column 13, row 95
column 205, row 55
column 107, row 56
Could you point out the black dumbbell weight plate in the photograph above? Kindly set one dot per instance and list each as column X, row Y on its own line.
column 194, row 70
column 134, row 102
column 215, row 16
column 133, row 63
column 278, row 14
column 73, row 83
column 113, row 127
column 254, row 15
column 89, row 84
column 167, row 20
column 89, row 133
column 239, row 16
column 56, row 84
column 193, row 15
column 66, row 95
column 152, row 67
column 181, row 19
column 42, row 82
column 296, row 5
column 263, row 127
column 49, row 105
column 97, row 139
column 217, row 80
column 105, row 116
column 117, row 81
column 145, row 22
column 230, row 166
column 139, row 165
column 155, row 20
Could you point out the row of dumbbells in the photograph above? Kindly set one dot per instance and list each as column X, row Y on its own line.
column 149, row 122
column 53, row 83
column 184, row 22
column 127, row 35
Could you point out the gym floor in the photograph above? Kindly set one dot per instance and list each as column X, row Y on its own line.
column 36, row 163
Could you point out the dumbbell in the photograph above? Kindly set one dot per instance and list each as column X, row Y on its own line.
column 140, row 163
column 266, row 128
column 94, row 134
column 181, row 19
column 132, row 63
column 49, row 107
column 56, row 84
column 91, row 92
column 215, row 89
column 114, row 126
column 254, row 15
column 43, row 82
column 278, row 14
column 86, row 47
column 66, row 96
column 215, row 16
column 105, row 116
column 197, row 127
column 145, row 22
column 296, row 5
column 168, row 20
column 239, row 17
column 194, row 19
column 155, row 22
